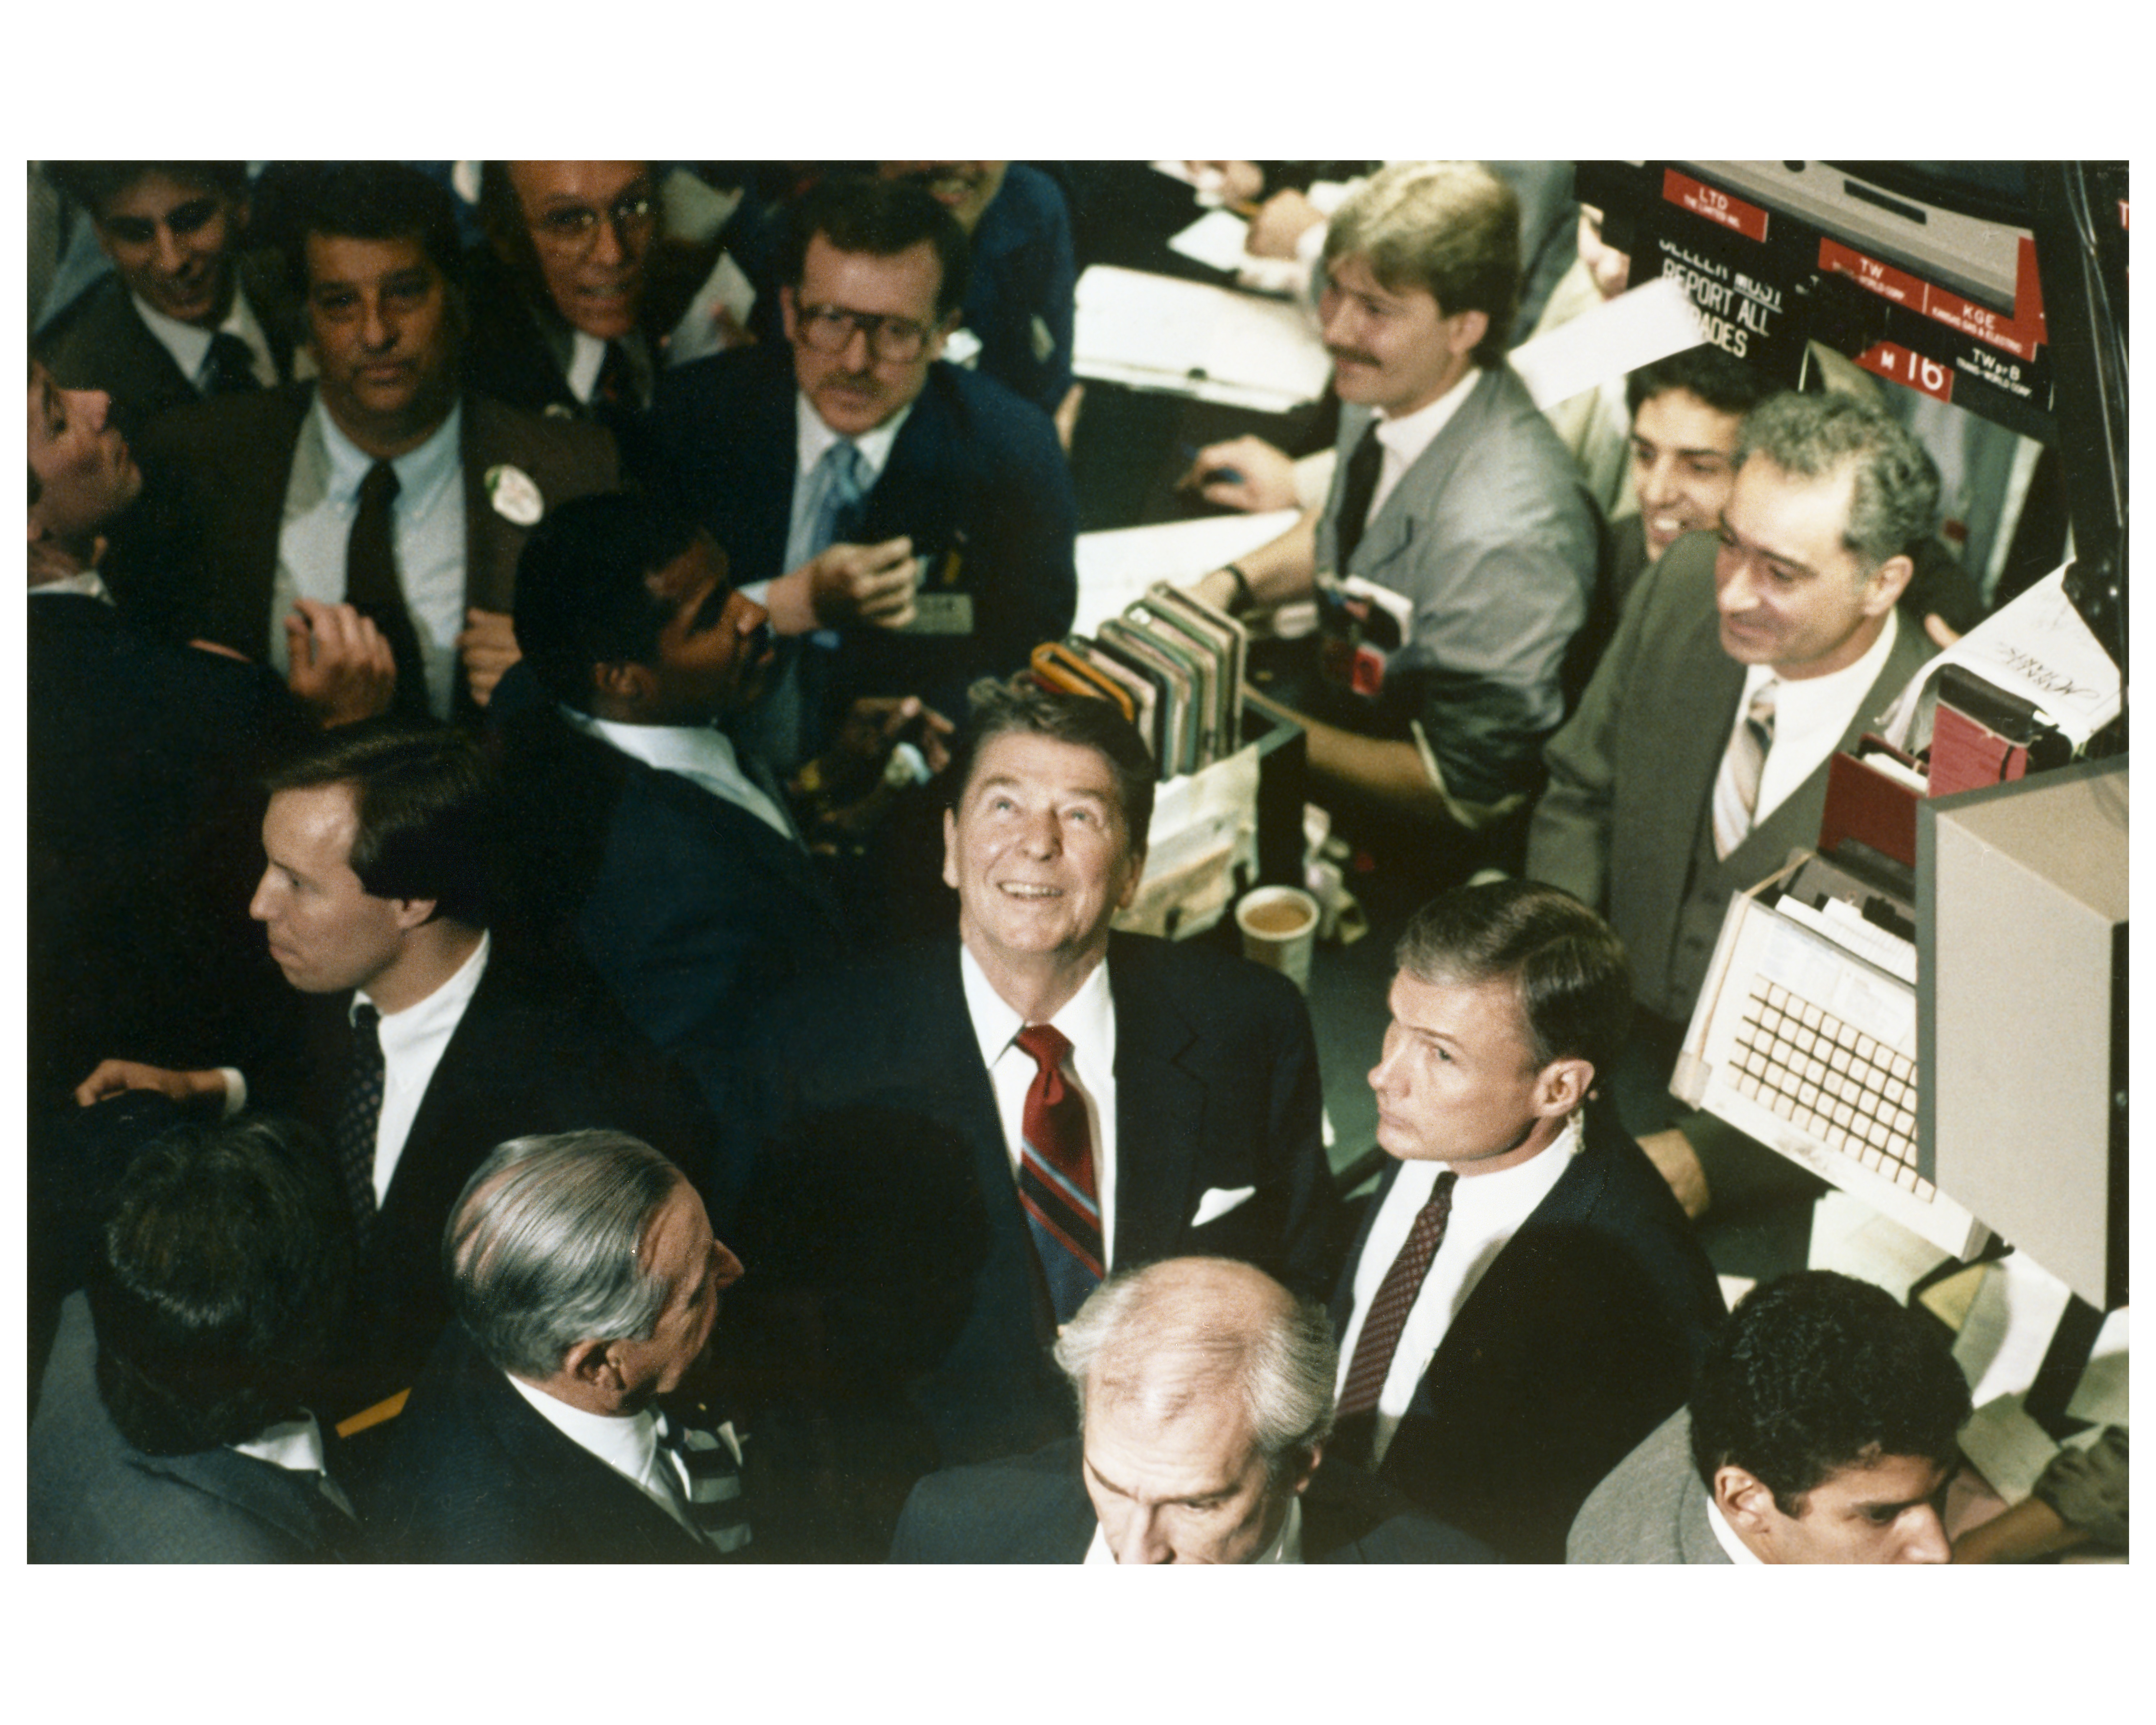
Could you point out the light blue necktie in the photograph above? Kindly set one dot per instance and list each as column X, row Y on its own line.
column 843, row 477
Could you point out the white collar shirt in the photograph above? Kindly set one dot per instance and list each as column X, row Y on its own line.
column 321, row 502
column 1285, row 1548
column 1810, row 714
column 1404, row 439
column 189, row 343
column 812, row 438
column 296, row 1446
column 413, row 1042
column 1088, row 1019
column 702, row 754
column 86, row 585
column 627, row 1443
column 1488, row 1209
column 1726, row 1535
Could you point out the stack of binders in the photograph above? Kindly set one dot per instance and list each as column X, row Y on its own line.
column 1174, row 668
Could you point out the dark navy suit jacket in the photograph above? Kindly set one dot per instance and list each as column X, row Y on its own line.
column 1580, row 1339
column 1034, row 1510
column 976, row 478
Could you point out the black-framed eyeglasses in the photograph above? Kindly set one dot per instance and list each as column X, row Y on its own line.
column 577, row 225
column 894, row 340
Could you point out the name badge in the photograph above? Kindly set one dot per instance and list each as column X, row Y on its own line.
column 941, row 613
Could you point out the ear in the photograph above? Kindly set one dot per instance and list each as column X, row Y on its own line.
column 949, row 848
column 590, row 1365
column 786, row 310
column 411, row 912
column 622, row 686
column 939, row 336
column 1562, row 1086
column 1134, row 875
column 1745, row 1500
column 1884, row 585
column 1466, row 330
column 1308, row 1471
column 243, row 212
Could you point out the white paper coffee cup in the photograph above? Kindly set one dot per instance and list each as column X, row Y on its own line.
column 1280, row 927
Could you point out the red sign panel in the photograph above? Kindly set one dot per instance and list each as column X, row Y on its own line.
column 1716, row 205
column 1883, row 280
column 2019, row 335
column 1889, row 359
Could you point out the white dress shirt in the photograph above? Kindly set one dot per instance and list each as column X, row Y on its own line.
column 1404, row 439
column 189, row 343
column 86, row 585
column 322, row 501
column 812, row 437
column 1285, row 1548
column 1088, row 1019
column 628, row 1443
column 412, row 1044
column 1726, row 1535
column 296, row 1446
column 701, row 753
column 1488, row 1209
column 1810, row 714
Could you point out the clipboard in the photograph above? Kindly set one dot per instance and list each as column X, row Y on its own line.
column 1178, row 698
column 1144, row 698
column 1055, row 663
column 1195, row 655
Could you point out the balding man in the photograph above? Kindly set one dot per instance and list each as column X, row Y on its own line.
column 1205, row 1396
column 587, row 1283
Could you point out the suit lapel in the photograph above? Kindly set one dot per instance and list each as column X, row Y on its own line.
column 258, row 510
column 1392, row 529
column 291, row 1502
column 1160, row 1109
column 1342, row 1305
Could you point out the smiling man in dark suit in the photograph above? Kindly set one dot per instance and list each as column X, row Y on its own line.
column 416, row 1053
column 862, row 486
column 383, row 483
column 1525, row 1300
column 975, row 1132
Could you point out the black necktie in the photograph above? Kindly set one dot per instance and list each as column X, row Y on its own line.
column 713, row 1494
column 231, row 366
column 360, row 1115
column 1361, row 486
column 370, row 584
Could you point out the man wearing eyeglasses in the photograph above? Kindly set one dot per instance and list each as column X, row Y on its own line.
column 558, row 292
column 912, row 520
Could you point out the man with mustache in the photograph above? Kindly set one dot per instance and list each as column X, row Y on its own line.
column 1455, row 554
column 384, row 483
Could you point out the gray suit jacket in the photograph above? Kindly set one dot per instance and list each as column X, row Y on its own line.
column 1651, row 1509
column 1630, row 772
column 1491, row 538
column 96, row 1499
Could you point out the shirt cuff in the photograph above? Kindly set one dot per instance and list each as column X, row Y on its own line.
column 235, row 1090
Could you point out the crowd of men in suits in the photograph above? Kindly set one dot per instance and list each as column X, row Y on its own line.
column 623, row 757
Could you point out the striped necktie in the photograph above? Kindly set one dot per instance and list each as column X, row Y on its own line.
column 1737, row 786
column 1055, row 1179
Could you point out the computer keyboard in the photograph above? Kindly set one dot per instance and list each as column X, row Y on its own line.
column 1828, row 1078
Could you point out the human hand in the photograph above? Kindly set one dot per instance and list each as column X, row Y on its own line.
column 1264, row 477
column 488, row 647
column 1281, row 221
column 1231, row 181
column 114, row 1077
column 1943, row 636
column 1678, row 1162
column 877, row 723
column 864, row 583
column 341, row 667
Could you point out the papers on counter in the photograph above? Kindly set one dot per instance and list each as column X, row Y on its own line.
column 1115, row 569
column 1188, row 338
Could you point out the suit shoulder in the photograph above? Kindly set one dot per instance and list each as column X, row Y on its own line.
column 570, row 447
column 1217, row 981
column 1008, row 429
column 229, row 430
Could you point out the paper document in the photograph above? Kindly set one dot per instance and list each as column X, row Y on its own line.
column 1215, row 239
column 1652, row 321
column 1189, row 338
column 1850, row 1236
column 2037, row 648
column 1115, row 569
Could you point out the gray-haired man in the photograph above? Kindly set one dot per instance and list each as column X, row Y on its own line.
column 587, row 1283
column 1205, row 1396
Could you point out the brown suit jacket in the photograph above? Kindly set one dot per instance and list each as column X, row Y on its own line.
column 199, row 553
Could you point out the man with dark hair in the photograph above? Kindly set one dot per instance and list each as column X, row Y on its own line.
column 587, row 1280
column 1686, row 411
column 1821, row 1431
column 171, row 1427
column 419, row 1052
column 1021, row 291
column 1525, row 1299
column 1074, row 1100
column 1698, row 757
column 638, row 835
column 860, row 485
column 382, row 483
column 1204, row 1394
column 185, row 312
column 1457, row 555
